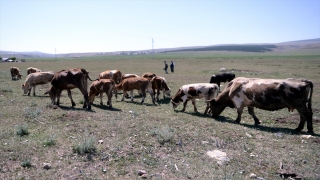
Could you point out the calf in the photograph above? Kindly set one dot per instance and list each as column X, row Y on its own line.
column 223, row 77
column 34, row 79
column 138, row 83
column 193, row 92
column 266, row 94
column 115, row 75
column 101, row 86
column 160, row 84
column 70, row 79
column 32, row 70
column 15, row 73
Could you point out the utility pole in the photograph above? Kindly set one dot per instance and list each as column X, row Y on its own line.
column 55, row 54
column 152, row 45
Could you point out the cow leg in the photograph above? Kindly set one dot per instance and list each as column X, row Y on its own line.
column 305, row 115
column 239, row 111
column 131, row 95
column 70, row 96
column 251, row 112
column 109, row 103
column 29, row 90
column 158, row 94
column 184, row 105
column 101, row 96
column 123, row 95
column 58, row 97
column 34, row 90
column 194, row 105
column 143, row 96
column 207, row 108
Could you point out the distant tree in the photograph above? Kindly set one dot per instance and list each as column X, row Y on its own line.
column 13, row 58
column 0, row 58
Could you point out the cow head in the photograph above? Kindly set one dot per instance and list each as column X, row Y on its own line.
column 25, row 88
column 176, row 100
column 217, row 106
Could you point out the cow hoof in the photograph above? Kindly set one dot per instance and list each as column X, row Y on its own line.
column 237, row 122
column 257, row 123
column 310, row 132
column 298, row 129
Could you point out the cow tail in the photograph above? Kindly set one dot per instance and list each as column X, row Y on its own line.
column 310, row 97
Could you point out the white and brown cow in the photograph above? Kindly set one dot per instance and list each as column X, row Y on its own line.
column 32, row 70
column 15, row 73
column 266, row 94
column 125, row 76
column 138, row 83
column 160, row 84
column 34, row 79
column 193, row 92
column 69, row 79
column 101, row 86
column 115, row 75
column 148, row 75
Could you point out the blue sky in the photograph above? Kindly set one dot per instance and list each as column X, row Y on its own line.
column 69, row 26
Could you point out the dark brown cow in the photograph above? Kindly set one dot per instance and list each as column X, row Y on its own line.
column 160, row 84
column 101, row 86
column 70, row 79
column 138, row 83
column 34, row 79
column 223, row 77
column 267, row 94
column 32, row 70
column 115, row 75
column 192, row 92
column 148, row 75
column 15, row 73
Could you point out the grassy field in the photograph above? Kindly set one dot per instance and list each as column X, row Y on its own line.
column 39, row 142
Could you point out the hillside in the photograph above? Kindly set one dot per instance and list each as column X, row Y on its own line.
column 301, row 46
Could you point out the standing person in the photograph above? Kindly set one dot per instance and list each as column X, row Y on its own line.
column 172, row 66
column 165, row 67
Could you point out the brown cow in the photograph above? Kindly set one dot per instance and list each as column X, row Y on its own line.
column 101, row 86
column 138, row 83
column 115, row 75
column 160, row 84
column 70, row 79
column 32, row 70
column 148, row 75
column 267, row 94
column 15, row 73
column 34, row 79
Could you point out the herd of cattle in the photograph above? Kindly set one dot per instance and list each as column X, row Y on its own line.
column 240, row 92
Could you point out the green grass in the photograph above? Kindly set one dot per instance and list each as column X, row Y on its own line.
column 166, row 143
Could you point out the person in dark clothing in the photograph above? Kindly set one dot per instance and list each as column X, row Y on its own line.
column 172, row 66
column 165, row 67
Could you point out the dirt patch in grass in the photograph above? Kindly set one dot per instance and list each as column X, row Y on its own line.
column 73, row 116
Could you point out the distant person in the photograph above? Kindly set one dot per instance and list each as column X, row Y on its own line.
column 172, row 66
column 165, row 67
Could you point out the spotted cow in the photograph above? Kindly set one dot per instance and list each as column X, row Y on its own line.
column 193, row 92
column 266, row 94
